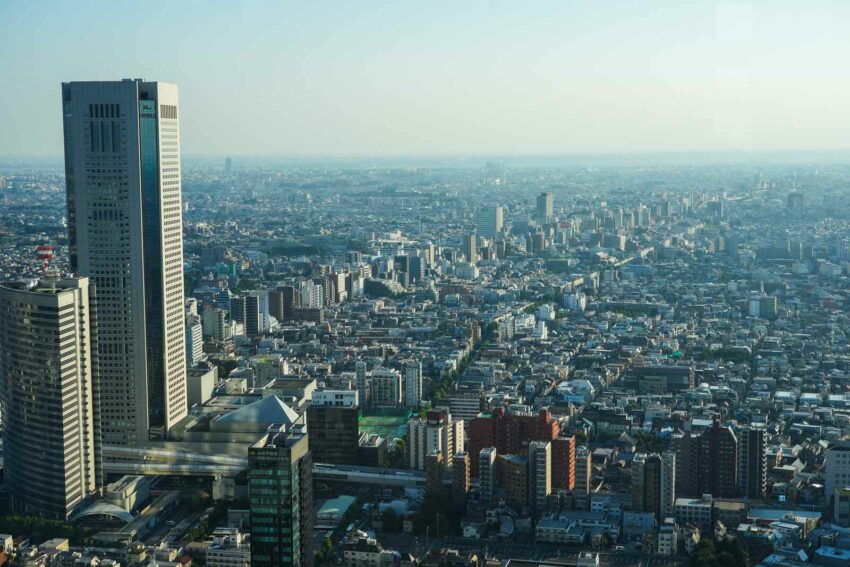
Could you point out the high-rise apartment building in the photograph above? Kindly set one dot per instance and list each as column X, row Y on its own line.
column 122, row 175
column 436, row 432
column 584, row 472
column 385, row 387
column 510, row 433
column 486, row 474
column 545, row 207
column 490, row 221
column 470, row 248
column 280, row 492
column 412, row 383
column 460, row 479
column 836, row 469
column 564, row 462
column 752, row 463
column 653, row 483
column 49, row 392
column 539, row 476
column 708, row 464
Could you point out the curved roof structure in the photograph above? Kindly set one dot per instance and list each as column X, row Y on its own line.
column 101, row 508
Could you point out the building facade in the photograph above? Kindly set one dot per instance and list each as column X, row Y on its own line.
column 122, row 171
column 48, row 389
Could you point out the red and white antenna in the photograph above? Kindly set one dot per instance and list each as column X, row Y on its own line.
column 44, row 252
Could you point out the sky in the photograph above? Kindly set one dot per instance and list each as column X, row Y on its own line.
column 372, row 78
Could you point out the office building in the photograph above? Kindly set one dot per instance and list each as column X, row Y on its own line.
column 194, row 340
column 280, row 487
column 256, row 313
column 545, row 207
column 752, row 463
column 48, row 390
column 122, row 175
column 333, row 422
column 385, row 388
column 539, row 476
column 412, row 383
column 490, row 221
column 486, row 475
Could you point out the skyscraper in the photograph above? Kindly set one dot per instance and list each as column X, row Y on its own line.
column 752, row 463
column 48, row 376
column 707, row 464
column 122, row 175
column 280, row 491
column 490, row 221
column 545, row 207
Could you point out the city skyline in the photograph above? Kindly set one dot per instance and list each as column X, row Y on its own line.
column 555, row 79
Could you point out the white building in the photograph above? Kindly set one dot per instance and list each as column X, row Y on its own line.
column 836, row 469
column 46, row 390
column 338, row 398
column 194, row 340
column 539, row 475
column 436, row 432
column 122, row 172
column 490, row 221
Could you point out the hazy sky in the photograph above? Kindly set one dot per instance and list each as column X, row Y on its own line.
column 364, row 77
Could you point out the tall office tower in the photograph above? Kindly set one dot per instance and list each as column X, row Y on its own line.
column 752, row 463
column 460, row 480
column 280, row 493
column 228, row 164
column 434, row 471
column 539, row 476
column 256, row 313
column 717, row 461
column 470, row 248
column 194, row 340
column 436, row 431
column 239, row 308
column 412, row 383
column 490, row 221
column 122, row 176
column 49, row 393
column 291, row 300
column 564, row 462
column 545, row 207
column 653, row 480
column 333, row 419
column 487, row 475
column 584, row 470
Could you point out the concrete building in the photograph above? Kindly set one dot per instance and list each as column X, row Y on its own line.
column 836, row 469
column 539, row 476
column 490, row 220
column 122, row 175
column 752, row 463
column 48, row 381
column 487, row 475
column 437, row 431
column 333, row 420
column 385, row 388
column 412, row 383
